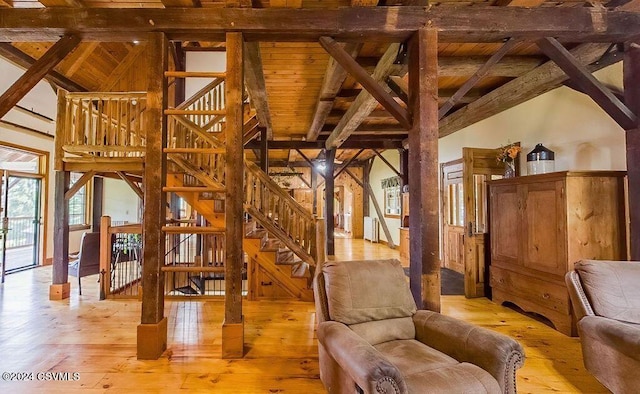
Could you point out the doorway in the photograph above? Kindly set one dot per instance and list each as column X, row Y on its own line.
column 465, row 220
column 20, row 209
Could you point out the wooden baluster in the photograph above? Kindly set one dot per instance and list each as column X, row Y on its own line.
column 99, row 129
column 91, row 140
column 78, row 123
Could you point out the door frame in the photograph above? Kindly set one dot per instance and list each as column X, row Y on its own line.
column 43, row 172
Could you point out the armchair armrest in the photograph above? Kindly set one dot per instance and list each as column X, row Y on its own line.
column 621, row 336
column 366, row 365
column 497, row 354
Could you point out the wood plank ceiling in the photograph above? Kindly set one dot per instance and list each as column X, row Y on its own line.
column 294, row 71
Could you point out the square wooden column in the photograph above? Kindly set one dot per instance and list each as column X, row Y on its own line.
column 233, row 326
column 152, row 332
column 60, row 287
column 631, row 68
column 329, row 183
column 423, row 170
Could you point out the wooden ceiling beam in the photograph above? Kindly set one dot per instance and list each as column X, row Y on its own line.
column 333, row 79
column 6, row 3
column 476, row 77
column 36, row 72
column 320, row 144
column 534, row 83
column 588, row 83
column 21, row 59
column 381, row 24
column 374, row 86
column 256, row 86
column 365, row 103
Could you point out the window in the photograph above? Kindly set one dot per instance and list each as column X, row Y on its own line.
column 392, row 197
column 78, row 205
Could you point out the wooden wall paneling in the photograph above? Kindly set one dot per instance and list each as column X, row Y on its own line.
column 60, row 286
column 357, row 215
column 152, row 332
column 632, row 98
column 233, row 326
column 36, row 72
column 423, row 164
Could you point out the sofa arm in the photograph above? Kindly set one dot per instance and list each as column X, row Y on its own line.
column 623, row 337
column 497, row 354
column 360, row 360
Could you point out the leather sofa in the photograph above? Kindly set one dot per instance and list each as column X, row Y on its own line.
column 372, row 339
column 606, row 301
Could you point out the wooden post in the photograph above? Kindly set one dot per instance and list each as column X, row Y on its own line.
column 233, row 326
column 152, row 332
column 328, row 200
column 423, row 165
column 632, row 98
column 96, row 214
column 264, row 150
column 105, row 255
column 404, row 167
column 314, row 190
column 60, row 287
column 366, row 171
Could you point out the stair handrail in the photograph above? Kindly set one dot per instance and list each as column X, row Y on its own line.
column 296, row 228
column 273, row 187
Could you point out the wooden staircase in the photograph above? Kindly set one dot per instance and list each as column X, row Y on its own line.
column 280, row 234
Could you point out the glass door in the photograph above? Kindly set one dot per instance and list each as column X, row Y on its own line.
column 20, row 221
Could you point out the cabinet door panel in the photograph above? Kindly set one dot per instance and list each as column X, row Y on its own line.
column 505, row 224
column 544, row 228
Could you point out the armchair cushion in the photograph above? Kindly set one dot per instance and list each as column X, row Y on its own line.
column 376, row 332
column 356, row 293
column 612, row 288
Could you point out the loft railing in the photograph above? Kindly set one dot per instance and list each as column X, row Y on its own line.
column 95, row 124
column 280, row 214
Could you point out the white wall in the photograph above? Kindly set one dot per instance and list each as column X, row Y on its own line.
column 120, row 202
column 569, row 123
column 380, row 171
column 203, row 61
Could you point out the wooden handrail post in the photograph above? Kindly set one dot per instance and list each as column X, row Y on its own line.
column 105, row 253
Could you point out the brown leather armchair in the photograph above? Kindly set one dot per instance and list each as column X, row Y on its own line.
column 373, row 340
column 606, row 301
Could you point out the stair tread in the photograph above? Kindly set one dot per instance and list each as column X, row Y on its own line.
column 300, row 270
column 256, row 234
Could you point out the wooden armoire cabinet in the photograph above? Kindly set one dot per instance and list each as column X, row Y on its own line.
column 540, row 225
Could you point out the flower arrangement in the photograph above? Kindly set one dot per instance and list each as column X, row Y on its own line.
column 508, row 153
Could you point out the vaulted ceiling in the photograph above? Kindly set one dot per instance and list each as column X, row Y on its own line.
column 308, row 97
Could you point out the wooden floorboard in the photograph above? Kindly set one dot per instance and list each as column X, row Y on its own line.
column 98, row 340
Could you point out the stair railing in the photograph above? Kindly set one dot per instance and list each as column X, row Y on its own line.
column 281, row 214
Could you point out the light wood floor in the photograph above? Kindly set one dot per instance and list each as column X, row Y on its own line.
column 98, row 340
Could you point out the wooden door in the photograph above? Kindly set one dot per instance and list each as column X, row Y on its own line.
column 544, row 227
column 453, row 216
column 479, row 166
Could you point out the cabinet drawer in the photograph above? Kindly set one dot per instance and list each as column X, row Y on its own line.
column 546, row 294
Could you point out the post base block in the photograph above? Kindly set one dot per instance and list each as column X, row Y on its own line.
column 152, row 340
column 59, row 291
column 233, row 339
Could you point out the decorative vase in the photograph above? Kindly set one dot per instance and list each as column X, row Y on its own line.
column 509, row 169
